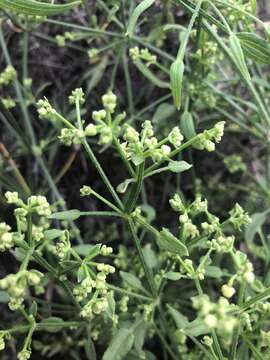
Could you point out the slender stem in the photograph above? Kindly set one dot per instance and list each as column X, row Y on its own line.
column 130, row 293
column 123, row 157
column 165, row 344
column 136, row 190
column 84, row 28
column 102, row 173
column 147, row 270
column 217, row 345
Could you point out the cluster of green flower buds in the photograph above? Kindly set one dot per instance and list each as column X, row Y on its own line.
column 244, row 267
column 8, row 75
column 216, row 315
column 235, row 163
column 92, row 289
column 102, row 125
column 35, row 204
column 63, row 245
column 123, row 304
column 8, row 102
column 209, row 55
column 67, row 36
column 94, row 307
column 98, row 288
column 208, row 138
column 189, row 271
column 189, row 230
column 45, row 110
column 138, row 146
column 236, row 13
column 77, row 95
column 222, row 243
column 17, row 284
column 25, row 354
column 3, row 336
column 6, row 237
column 238, row 217
column 142, row 54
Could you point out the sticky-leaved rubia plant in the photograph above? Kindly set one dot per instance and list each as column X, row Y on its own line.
column 190, row 284
column 142, row 307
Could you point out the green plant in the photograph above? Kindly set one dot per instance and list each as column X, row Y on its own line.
column 154, row 265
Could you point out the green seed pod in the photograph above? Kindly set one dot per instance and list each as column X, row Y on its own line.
column 238, row 56
column 187, row 125
column 176, row 75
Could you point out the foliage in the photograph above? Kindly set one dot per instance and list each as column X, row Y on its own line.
column 134, row 238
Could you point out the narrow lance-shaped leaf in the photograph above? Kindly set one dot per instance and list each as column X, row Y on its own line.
column 120, row 345
column 68, row 215
column 122, row 188
column 238, row 56
column 176, row 76
column 131, row 280
column 179, row 166
column 167, row 241
column 150, row 75
column 187, row 125
column 36, row 8
column 143, row 6
column 255, row 47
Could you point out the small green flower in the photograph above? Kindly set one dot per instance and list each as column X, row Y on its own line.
column 8, row 75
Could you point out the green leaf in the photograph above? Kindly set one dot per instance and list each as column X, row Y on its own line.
column 150, row 75
column 179, row 166
column 254, row 226
column 196, row 327
column 238, row 56
column 213, row 271
column 120, row 345
column 172, row 275
column 137, row 158
column 143, row 6
column 68, row 215
column 139, row 338
column 255, row 47
column 36, row 8
column 167, row 241
column 33, row 309
column 180, row 320
column 111, row 305
column 53, row 234
column 87, row 250
column 150, row 256
column 131, row 280
column 176, row 76
column 89, row 348
column 163, row 112
column 122, row 188
column 187, row 125
column 52, row 324
column 82, row 273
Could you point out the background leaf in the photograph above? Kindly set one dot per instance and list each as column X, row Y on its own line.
column 36, row 8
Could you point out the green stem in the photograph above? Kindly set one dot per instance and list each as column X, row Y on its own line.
column 130, row 293
column 147, row 270
column 217, row 345
column 102, row 174
column 136, row 190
